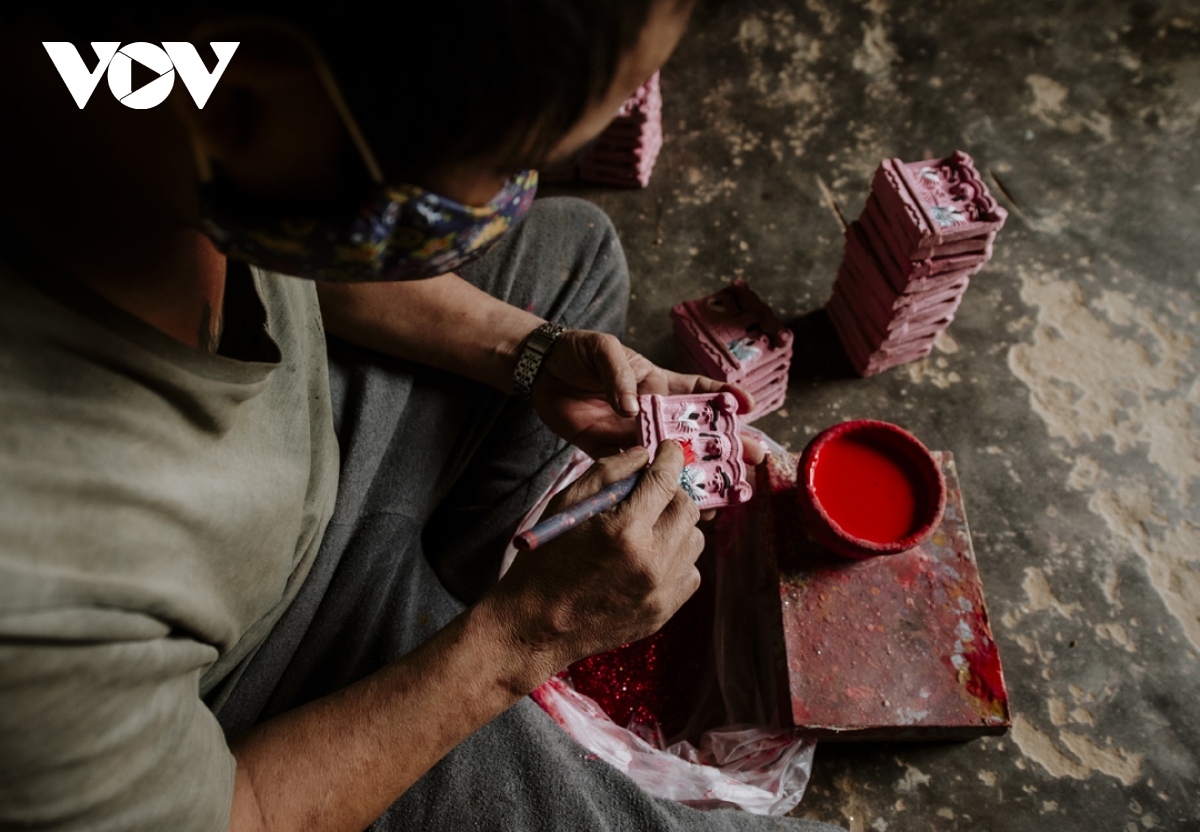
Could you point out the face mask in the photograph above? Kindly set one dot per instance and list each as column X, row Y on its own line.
column 402, row 233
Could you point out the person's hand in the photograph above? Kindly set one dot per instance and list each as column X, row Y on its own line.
column 613, row 579
column 587, row 389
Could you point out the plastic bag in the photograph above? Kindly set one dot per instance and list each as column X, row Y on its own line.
column 752, row 768
column 747, row 763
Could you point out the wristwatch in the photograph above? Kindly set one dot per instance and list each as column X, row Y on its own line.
column 533, row 353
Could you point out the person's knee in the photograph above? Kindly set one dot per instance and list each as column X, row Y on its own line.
column 581, row 221
column 580, row 215
column 598, row 260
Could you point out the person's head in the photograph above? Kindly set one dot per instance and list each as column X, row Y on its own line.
column 337, row 129
column 454, row 96
column 457, row 97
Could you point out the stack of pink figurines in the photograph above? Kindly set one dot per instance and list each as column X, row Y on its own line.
column 732, row 336
column 626, row 151
column 927, row 227
column 707, row 426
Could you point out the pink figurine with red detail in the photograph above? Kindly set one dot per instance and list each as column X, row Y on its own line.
column 706, row 425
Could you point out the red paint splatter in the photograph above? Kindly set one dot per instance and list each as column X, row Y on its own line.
column 911, row 568
column 986, row 683
column 541, row 696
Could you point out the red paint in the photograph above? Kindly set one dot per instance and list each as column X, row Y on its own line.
column 542, row 696
column 689, row 456
column 987, row 681
column 867, row 488
column 851, row 516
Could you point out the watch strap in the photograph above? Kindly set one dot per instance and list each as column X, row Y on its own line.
column 533, row 353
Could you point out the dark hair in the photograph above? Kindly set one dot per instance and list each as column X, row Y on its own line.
column 433, row 83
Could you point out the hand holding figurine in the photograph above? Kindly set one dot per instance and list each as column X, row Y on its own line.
column 615, row 578
column 587, row 391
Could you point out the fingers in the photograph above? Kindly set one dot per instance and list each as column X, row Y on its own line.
column 603, row 473
column 680, row 383
column 620, row 381
column 680, row 514
column 688, row 586
column 744, row 399
column 753, row 452
column 659, row 484
column 680, row 545
column 601, row 451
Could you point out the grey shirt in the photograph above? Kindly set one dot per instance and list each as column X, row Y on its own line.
column 159, row 508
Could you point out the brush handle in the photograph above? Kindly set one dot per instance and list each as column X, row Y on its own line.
column 552, row 527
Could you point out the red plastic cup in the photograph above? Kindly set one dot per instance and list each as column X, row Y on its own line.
column 869, row 488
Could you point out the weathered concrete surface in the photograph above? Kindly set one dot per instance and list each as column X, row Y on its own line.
column 1068, row 388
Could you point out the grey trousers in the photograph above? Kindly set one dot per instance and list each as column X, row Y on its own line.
column 436, row 472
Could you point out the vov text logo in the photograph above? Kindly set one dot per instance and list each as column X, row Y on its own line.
column 173, row 57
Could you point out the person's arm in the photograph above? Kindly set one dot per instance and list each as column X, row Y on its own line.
column 443, row 322
column 587, row 388
column 337, row 763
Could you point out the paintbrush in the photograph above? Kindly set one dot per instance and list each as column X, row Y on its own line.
column 605, row 498
column 552, row 527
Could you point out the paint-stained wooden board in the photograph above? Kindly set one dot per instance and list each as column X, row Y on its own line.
column 895, row 648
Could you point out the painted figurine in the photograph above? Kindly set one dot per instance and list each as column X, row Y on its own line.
column 707, row 426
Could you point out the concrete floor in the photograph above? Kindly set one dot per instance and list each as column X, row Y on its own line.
column 1067, row 388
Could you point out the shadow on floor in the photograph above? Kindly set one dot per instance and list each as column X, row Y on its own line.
column 817, row 353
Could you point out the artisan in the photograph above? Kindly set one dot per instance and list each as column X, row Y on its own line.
column 276, row 384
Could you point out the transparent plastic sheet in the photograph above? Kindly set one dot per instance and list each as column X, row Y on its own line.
column 752, row 768
column 749, row 762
